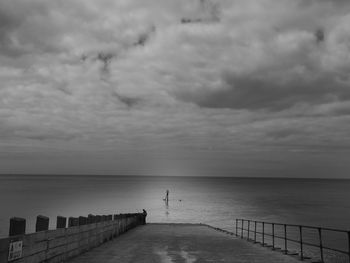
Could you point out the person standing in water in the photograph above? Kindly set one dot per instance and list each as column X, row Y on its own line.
column 167, row 196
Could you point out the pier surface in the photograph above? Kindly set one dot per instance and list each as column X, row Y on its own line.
column 185, row 243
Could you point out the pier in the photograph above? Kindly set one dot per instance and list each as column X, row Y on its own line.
column 101, row 238
column 185, row 243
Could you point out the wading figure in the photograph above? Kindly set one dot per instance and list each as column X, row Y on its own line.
column 144, row 214
column 166, row 196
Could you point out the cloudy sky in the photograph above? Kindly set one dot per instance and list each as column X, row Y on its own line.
column 175, row 87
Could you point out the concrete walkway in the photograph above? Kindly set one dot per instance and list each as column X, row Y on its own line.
column 185, row 243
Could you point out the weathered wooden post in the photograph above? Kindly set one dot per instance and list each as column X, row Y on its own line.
column 82, row 220
column 91, row 219
column 132, row 216
column 61, row 222
column 242, row 225
column 42, row 223
column 123, row 219
column 73, row 221
column 126, row 222
column 117, row 226
column 70, row 221
column 17, row 226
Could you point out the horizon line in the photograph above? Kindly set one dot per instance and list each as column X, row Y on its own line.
column 185, row 176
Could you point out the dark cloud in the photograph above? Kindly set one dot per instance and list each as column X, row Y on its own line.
column 143, row 38
column 8, row 25
column 128, row 101
column 285, row 133
column 254, row 93
column 208, row 11
column 106, row 59
column 320, row 35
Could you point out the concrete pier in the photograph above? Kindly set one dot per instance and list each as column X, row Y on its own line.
column 61, row 244
column 185, row 243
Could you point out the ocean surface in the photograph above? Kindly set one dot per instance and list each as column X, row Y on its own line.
column 214, row 201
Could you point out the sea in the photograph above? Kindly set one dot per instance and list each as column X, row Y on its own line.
column 216, row 201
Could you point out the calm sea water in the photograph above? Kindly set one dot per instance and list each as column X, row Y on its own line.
column 214, row 201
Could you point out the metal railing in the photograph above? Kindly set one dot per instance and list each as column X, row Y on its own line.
column 249, row 229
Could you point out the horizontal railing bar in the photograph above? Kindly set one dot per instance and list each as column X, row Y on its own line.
column 294, row 225
column 335, row 249
column 293, row 240
column 266, row 234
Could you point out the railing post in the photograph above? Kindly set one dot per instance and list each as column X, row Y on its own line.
column 236, row 227
column 242, row 227
column 285, row 239
column 255, row 232
column 248, row 229
column 263, row 233
column 321, row 245
column 273, row 236
column 301, row 243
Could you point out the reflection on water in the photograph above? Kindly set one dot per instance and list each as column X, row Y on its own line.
column 166, row 202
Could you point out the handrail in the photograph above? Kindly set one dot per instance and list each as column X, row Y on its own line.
column 285, row 237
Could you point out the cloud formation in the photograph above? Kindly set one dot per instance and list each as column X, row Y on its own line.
column 175, row 78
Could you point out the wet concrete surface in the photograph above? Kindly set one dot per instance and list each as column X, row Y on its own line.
column 183, row 243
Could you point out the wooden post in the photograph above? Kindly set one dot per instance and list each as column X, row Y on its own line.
column 242, row 227
column 82, row 220
column 70, row 221
column 98, row 219
column 73, row 221
column 301, row 243
column 17, row 226
column 42, row 223
column 91, row 219
column 61, row 222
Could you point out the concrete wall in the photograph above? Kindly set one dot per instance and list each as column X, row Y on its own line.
column 61, row 244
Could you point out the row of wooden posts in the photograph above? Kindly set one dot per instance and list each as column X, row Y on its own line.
column 18, row 225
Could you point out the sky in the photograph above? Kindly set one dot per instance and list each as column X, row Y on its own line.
column 175, row 87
